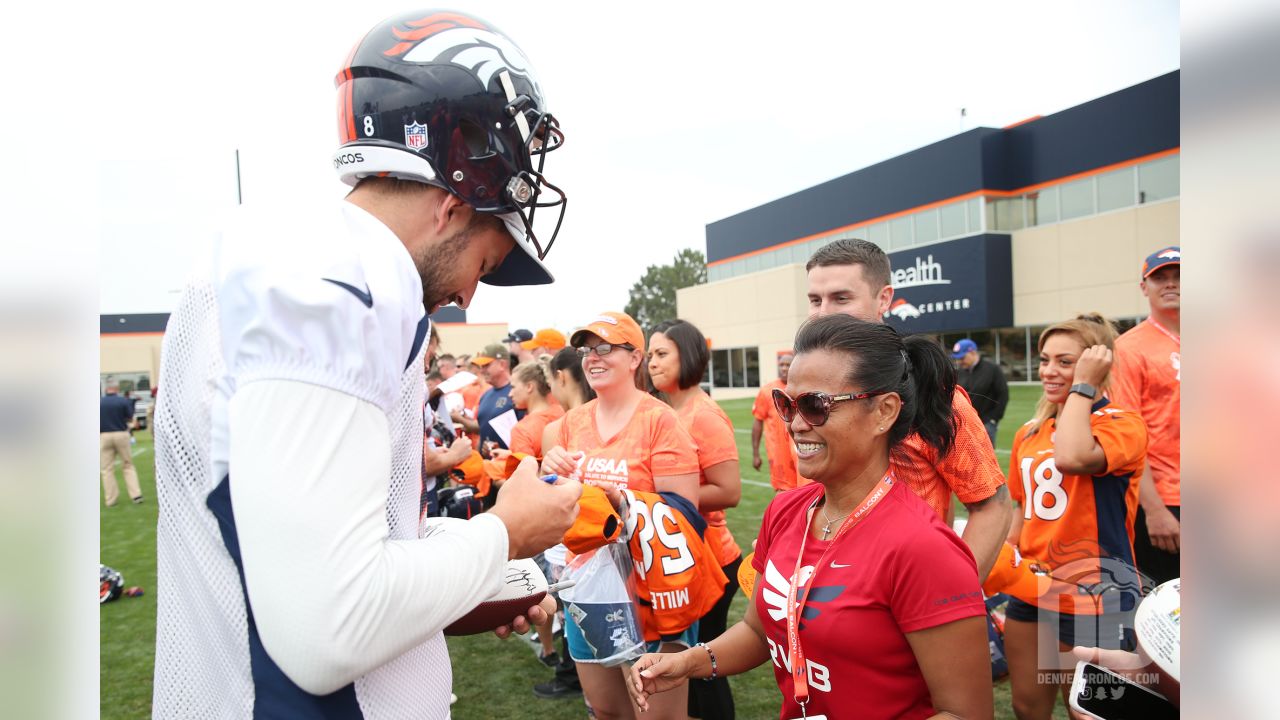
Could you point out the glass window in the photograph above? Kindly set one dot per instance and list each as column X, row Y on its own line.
column 752, row 363
column 720, row 368
column 1042, row 206
column 713, row 272
column 926, row 226
column 952, row 219
column 1158, row 179
column 751, row 263
column 879, row 234
column 768, row 259
column 1006, row 214
column 800, row 253
column 900, row 233
column 975, row 215
column 1115, row 189
column 1013, row 355
column 1076, row 198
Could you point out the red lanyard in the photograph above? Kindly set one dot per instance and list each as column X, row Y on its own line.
column 1161, row 328
column 799, row 670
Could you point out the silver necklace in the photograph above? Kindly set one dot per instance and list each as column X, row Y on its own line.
column 826, row 529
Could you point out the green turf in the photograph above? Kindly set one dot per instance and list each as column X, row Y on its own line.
column 492, row 678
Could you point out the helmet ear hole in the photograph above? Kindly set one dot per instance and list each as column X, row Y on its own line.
column 475, row 137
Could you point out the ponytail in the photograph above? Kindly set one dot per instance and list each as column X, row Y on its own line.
column 931, row 380
column 536, row 373
column 567, row 360
column 914, row 367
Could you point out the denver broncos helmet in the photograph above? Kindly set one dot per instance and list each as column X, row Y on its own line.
column 444, row 98
column 110, row 584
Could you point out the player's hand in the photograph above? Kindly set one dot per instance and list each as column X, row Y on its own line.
column 659, row 672
column 559, row 461
column 1093, row 365
column 1126, row 664
column 1165, row 530
column 536, row 514
column 755, row 461
column 537, row 615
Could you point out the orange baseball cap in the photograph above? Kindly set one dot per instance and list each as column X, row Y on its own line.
column 1013, row 574
column 597, row 523
column 549, row 338
column 747, row 575
column 614, row 328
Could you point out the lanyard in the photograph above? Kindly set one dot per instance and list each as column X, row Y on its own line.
column 795, row 606
column 1161, row 328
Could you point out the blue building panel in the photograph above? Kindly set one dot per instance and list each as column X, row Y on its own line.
column 957, row 285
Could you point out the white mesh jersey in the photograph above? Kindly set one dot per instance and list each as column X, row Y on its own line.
column 334, row 302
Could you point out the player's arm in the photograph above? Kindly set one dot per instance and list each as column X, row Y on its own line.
column 1162, row 527
column 956, row 663
column 740, row 648
column 438, row 462
column 757, row 429
column 332, row 597
column 989, row 516
column 686, row 485
column 723, row 488
column 1076, row 451
column 469, row 424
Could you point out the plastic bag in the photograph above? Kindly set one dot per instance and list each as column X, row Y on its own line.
column 602, row 603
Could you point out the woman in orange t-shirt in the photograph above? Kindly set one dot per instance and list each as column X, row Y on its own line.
column 630, row 440
column 531, row 392
column 677, row 362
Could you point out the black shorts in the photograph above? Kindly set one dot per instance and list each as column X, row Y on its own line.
column 1112, row 630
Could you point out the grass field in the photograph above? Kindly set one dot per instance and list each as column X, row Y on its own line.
column 492, row 678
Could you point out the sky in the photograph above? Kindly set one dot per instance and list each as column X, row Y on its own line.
column 675, row 115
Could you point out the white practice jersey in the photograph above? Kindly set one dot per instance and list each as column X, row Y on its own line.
column 330, row 299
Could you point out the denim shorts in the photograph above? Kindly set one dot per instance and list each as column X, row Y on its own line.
column 1112, row 630
column 582, row 651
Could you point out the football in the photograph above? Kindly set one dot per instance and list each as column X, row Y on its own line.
column 523, row 586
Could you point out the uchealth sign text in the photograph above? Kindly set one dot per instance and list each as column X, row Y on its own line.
column 964, row 284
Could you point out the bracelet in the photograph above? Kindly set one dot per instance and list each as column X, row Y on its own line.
column 712, row 654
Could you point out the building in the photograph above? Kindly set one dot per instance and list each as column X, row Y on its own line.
column 992, row 234
column 129, row 345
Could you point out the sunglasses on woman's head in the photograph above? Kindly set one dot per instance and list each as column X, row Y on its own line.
column 602, row 349
column 813, row 407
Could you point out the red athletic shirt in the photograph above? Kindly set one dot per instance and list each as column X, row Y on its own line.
column 898, row 571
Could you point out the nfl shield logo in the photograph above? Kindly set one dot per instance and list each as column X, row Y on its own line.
column 415, row 136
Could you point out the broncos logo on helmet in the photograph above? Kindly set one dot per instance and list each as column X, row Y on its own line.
column 448, row 100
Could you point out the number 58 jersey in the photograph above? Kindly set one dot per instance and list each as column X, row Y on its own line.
column 1079, row 525
column 679, row 575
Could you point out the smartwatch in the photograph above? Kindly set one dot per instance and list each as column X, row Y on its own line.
column 1084, row 389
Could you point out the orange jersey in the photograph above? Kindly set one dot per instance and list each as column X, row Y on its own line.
column 526, row 436
column 712, row 433
column 777, row 441
column 651, row 444
column 1070, row 521
column 1148, row 377
column 471, row 396
column 679, row 578
column 969, row 470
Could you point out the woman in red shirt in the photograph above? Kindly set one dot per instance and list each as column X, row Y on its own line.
column 866, row 604
column 677, row 362
column 1075, row 469
column 630, row 440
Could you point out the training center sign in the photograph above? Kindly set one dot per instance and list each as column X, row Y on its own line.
column 964, row 284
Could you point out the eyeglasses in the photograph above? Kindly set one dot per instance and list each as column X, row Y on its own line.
column 602, row 349
column 814, row 407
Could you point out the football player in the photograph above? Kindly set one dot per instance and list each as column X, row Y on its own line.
column 294, row 579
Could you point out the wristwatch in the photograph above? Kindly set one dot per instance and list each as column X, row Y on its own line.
column 1084, row 389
